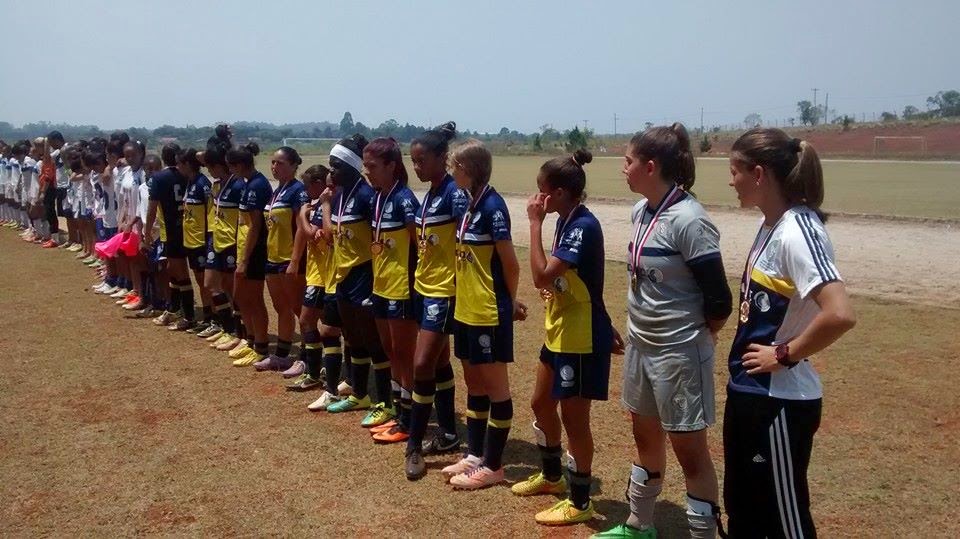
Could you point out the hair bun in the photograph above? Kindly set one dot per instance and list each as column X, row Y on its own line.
column 582, row 156
column 448, row 130
column 253, row 148
column 360, row 140
column 795, row 145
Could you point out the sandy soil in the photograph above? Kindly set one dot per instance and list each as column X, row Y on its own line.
column 909, row 261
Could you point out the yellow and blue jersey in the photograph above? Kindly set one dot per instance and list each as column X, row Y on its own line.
column 255, row 197
column 393, row 266
column 319, row 254
column 436, row 221
column 481, row 287
column 351, row 211
column 280, row 216
column 226, row 210
column 196, row 204
column 215, row 188
column 576, row 318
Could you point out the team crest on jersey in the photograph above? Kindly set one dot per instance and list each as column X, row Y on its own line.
column 388, row 207
column 436, row 203
column 210, row 256
column 567, row 376
column 499, row 219
column 762, row 301
column 561, row 284
column 349, row 207
column 476, row 218
column 655, row 275
column 663, row 228
column 769, row 257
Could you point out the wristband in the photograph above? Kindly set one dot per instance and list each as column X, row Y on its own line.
column 782, row 353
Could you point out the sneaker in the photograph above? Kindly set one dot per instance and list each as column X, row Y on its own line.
column 147, row 312
column 463, row 465
column 65, row 245
column 100, row 287
column 296, row 369
column 49, row 244
column 392, row 435
column 90, row 260
column 120, row 293
column 349, row 404
column 76, row 247
column 304, row 382
column 241, row 349
column 198, row 327
column 539, row 484
column 209, row 331
column 273, row 362
column 384, row 427
column 477, row 478
column 378, row 415
column 249, row 359
column 223, row 340
column 321, row 404
column 414, row 466
column 138, row 305
column 165, row 319
column 344, row 389
column 564, row 513
column 216, row 336
column 622, row 531
column 232, row 344
column 129, row 299
column 182, row 325
column 441, row 443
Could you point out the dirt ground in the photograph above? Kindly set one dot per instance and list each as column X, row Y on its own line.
column 899, row 260
column 113, row 427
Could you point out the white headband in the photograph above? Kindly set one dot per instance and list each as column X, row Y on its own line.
column 346, row 155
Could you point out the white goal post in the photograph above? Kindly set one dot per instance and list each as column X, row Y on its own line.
column 293, row 140
column 899, row 145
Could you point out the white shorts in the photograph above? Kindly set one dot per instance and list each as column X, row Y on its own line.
column 674, row 383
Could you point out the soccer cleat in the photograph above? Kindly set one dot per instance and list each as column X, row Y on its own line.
column 223, row 340
column 304, row 382
column 66, row 245
column 463, row 465
column 215, row 337
column 441, row 443
column 349, row 404
column 378, row 415
column 210, row 331
column 129, row 299
column 384, row 427
column 273, row 362
column 138, row 305
column 241, row 349
column 623, row 531
column 414, row 467
column 295, row 370
column 231, row 344
column 392, row 435
column 344, row 389
column 249, row 359
column 538, row 484
column 49, row 244
column 75, row 247
column 321, row 404
column 564, row 513
column 165, row 318
column 120, row 293
column 198, row 327
column 477, row 478
column 147, row 312
column 182, row 325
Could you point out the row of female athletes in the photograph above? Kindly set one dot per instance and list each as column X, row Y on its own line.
column 350, row 251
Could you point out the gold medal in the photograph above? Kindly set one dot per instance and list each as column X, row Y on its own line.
column 376, row 247
column 546, row 294
column 422, row 246
column 744, row 312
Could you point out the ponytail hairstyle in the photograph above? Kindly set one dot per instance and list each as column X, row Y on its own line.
column 115, row 148
column 567, row 173
column 168, row 153
column 189, row 156
column 291, row 155
column 243, row 155
column 793, row 164
column 387, row 150
column 437, row 140
column 475, row 159
column 670, row 148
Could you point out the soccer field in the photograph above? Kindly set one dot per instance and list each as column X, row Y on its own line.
column 114, row 427
column 889, row 188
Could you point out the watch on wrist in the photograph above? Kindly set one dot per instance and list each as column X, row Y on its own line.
column 782, row 353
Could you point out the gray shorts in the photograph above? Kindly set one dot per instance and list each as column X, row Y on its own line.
column 673, row 383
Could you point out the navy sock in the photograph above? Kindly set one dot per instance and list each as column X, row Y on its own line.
column 360, row 371
column 262, row 348
column 332, row 359
column 186, row 300
column 498, row 429
column 423, row 399
column 207, row 314
column 283, row 348
column 580, row 489
column 313, row 352
column 444, row 401
column 381, row 378
column 478, row 410
column 550, row 460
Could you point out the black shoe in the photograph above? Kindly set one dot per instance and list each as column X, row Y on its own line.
column 415, row 467
column 441, row 443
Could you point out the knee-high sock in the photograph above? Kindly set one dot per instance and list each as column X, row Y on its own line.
column 498, row 428
column 423, row 400
column 478, row 411
column 332, row 359
column 360, row 371
column 186, row 299
column 314, row 352
column 221, row 305
column 381, row 377
column 444, row 401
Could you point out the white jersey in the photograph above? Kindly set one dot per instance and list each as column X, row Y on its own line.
column 795, row 257
column 30, row 172
column 129, row 193
column 144, row 202
column 98, row 201
column 13, row 179
column 4, row 174
column 108, row 194
column 63, row 179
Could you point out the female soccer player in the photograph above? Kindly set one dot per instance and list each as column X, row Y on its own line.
column 286, row 288
column 487, row 278
column 793, row 305
column 252, row 254
column 394, row 260
column 351, row 213
column 434, row 283
column 131, row 178
column 196, row 204
column 574, row 367
column 677, row 301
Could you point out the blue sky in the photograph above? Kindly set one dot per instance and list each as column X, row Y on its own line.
column 483, row 64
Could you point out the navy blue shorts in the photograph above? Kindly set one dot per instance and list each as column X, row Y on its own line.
column 257, row 265
column 156, row 252
column 196, row 258
column 484, row 344
column 331, row 311
column 578, row 375
column 313, row 297
column 276, row 268
column 392, row 309
column 435, row 314
column 104, row 233
column 224, row 262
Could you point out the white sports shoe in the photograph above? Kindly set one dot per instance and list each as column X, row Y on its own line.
column 321, row 404
column 344, row 389
column 121, row 292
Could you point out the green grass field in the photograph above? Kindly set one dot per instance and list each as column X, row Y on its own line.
column 891, row 188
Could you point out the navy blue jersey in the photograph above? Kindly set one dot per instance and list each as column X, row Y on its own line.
column 168, row 188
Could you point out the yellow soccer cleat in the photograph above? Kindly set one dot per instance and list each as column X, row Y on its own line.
column 538, row 484
column 241, row 350
column 248, row 359
column 564, row 513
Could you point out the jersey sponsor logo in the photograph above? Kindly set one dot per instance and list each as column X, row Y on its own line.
column 567, row 376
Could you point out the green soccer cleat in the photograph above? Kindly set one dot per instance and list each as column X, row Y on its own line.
column 538, row 484
column 378, row 415
column 623, row 531
column 349, row 404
